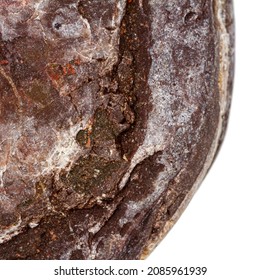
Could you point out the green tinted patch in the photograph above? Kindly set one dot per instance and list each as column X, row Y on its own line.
column 92, row 172
column 39, row 93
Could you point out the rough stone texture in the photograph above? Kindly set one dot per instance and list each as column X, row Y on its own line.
column 111, row 113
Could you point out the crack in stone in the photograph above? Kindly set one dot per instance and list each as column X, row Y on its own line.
column 13, row 86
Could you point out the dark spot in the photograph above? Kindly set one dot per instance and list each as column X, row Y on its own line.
column 82, row 137
column 57, row 25
column 190, row 16
column 110, row 28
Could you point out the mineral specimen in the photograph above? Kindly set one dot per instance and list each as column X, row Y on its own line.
column 111, row 113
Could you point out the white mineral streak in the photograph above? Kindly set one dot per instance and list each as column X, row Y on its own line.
column 135, row 207
column 225, row 49
column 33, row 224
column 64, row 152
column 94, row 229
column 118, row 16
column 224, row 57
column 7, row 234
column 2, row 171
column 3, row 162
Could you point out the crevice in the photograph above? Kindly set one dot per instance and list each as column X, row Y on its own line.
column 74, row 105
column 135, row 42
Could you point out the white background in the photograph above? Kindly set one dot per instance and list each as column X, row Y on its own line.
column 220, row 228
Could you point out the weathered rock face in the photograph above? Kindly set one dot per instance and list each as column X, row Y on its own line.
column 111, row 113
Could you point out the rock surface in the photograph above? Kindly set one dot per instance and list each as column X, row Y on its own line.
column 111, row 113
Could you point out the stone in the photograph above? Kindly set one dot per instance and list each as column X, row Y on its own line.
column 111, row 114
